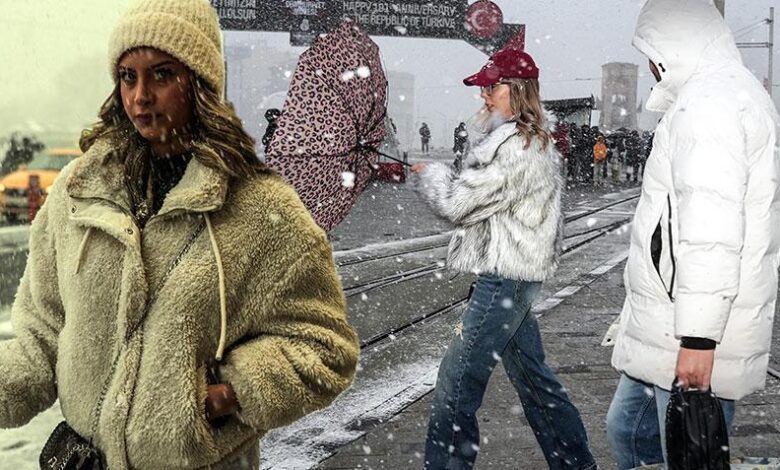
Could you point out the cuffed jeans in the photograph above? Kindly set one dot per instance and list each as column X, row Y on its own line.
column 498, row 325
column 636, row 423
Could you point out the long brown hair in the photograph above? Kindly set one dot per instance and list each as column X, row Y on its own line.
column 527, row 111
column 218, row 138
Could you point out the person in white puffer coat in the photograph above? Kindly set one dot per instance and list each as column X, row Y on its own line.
column 701, row 278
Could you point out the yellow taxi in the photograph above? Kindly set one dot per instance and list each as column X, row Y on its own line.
column 43, row 170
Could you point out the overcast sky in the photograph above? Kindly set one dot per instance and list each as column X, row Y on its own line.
column 570, row 40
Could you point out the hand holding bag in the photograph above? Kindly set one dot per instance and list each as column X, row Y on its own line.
column 696, row 432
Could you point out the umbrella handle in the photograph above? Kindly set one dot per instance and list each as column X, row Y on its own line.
column 395, row 159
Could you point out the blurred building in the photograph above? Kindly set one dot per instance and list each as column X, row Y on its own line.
column 618, row 96
column 257, row 79
column 400, row 106
column 574, row 110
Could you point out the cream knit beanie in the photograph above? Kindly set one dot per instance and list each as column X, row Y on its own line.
column 186, row 29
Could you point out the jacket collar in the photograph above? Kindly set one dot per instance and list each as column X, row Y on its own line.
column 485, row 151
column 99, row 174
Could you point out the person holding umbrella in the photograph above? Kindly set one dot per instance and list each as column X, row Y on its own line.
column 506, row 205
column 178, row 299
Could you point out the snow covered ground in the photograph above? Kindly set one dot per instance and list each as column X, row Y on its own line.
column 5, row 322
column 20, row 447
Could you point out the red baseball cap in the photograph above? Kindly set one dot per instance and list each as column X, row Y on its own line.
column 506, row 63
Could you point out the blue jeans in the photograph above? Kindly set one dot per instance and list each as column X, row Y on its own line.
column 498, row 325
column 636, row 423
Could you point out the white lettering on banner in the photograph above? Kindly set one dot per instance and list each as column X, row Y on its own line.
column 360, row 8
column 380, row 8
column 237, row 14
column 234, row 3
column 391, row 14
column 425, row 10
column 305, row 7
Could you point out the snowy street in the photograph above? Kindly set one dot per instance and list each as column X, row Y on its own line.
column 405, row 307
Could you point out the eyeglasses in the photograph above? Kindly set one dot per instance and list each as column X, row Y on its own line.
column 488, row 90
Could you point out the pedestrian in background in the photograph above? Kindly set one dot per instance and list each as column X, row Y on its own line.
column 506, row 204
column 271, row 116
column 560, row 137
column 586, row 156
column 616, row 157
column 633, row 157
column 599, row 159
column 701, row 278
column 178, row 298
column 460, row 144
column 425, row 137
column 575, row 151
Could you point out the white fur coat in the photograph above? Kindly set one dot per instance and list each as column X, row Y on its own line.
column 506, row 203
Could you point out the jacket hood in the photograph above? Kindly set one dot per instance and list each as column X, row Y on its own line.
column 682, row 38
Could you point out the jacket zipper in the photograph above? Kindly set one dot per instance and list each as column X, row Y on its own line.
column 671, row 249
column 98, row 412
column 103, row 392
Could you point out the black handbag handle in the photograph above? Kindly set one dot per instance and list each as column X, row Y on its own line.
column 676, row 388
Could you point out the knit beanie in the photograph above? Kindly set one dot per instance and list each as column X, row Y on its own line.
column 186, row 29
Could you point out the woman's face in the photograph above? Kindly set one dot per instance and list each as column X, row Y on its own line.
column 497, row 100
column 156, row 96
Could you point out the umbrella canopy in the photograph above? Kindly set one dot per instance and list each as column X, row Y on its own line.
column 326, row 140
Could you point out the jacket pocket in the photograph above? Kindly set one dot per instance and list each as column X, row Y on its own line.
column 659, row 257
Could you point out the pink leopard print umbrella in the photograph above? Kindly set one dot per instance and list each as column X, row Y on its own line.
column 326, row 141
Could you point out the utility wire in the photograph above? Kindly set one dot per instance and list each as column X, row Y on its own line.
column 748, row 31
column 743, row 30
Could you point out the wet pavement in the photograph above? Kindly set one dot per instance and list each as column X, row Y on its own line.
column 571, row 332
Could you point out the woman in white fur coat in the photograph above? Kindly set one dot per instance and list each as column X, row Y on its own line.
column 506, row 205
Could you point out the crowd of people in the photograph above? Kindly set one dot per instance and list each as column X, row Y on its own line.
column 592, row 155
column 589, row 153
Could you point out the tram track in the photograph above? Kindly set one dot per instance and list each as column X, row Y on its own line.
column 415, row 273
column 393, row 278
column 568, row 219
column 461, row 301
column 582, row 215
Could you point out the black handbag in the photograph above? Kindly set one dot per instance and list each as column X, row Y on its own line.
column 696, row 432
column 66, row 450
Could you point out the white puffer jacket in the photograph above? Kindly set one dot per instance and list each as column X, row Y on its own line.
column 711, row 185
column 506, row 202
